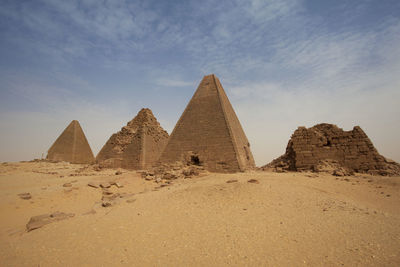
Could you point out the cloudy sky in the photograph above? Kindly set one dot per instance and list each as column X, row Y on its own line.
column 283, row 64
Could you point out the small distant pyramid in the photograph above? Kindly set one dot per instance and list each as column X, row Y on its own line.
column 71, row 146
column 209, row 132
column 137, row 146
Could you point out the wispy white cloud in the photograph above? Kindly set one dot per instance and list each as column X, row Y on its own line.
column 281, row 64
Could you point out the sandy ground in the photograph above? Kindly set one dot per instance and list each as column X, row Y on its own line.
column 287, row 219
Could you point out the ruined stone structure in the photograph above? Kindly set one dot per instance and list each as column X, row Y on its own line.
column 137, row 146
column 71, row 146
column 353, row 150
column 209, row 133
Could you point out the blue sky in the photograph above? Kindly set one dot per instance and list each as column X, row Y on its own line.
column 283, row 64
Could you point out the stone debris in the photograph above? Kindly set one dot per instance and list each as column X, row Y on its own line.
column 71, row 146
column 137, row 146
column 94, row 184
column 117, row 184
column 231, row 181
column 105, row 185
column 41, row 220
column 253, row 181
column 168, row 172
column 106, row 204
column 209, row 133
column 67, row 185
column 25, row 196
column 327, row 148
column 118, row 172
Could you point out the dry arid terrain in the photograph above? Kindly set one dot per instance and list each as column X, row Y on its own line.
column 277, row 219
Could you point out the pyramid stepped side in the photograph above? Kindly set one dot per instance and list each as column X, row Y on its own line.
column 353, row 150
column 204, row 131
column 145, row 149
column 241, row 143
column 137, row 145
column 71, row 146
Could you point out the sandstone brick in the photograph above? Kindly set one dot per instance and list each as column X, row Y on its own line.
column 137, row 146
column 352, row 150
column 210, row 132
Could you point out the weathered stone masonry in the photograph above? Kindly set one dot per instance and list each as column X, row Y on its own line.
column 137, row 146
column 350, row 149
column 71, row 146
column 209, row 132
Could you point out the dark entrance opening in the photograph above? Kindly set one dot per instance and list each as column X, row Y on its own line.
column 194, row 160
column 328, row 143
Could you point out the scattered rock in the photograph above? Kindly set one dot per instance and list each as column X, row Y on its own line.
column 67, row 185
column 107, row 192
column 158, row 180
column 105, row 185
column 41, row 220
column 130, row 200
column 117, row 184
column 106, row 204
column 231, row 181
column 118, row 172
column 25, row 196
column 94, row 184
column 149, row 178
column 253, row 181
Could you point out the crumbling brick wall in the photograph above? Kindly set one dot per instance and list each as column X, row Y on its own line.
column 137, row 146
column 350, row 149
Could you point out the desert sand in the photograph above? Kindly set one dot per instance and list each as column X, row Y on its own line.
column 280, row 219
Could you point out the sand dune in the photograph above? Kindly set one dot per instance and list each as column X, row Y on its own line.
column 286, row 219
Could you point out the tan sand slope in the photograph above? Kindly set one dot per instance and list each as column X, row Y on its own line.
column 281, row 219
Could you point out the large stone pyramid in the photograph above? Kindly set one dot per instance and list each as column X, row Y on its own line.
column 71, row 146
column 137, row 146
column 326, row 144
column 209, row 133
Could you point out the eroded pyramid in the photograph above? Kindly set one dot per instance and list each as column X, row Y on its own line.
column 209, row 133
column 137, row 146
column 71, row 146
column 313, row 149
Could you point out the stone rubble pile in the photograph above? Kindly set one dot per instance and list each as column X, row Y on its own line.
column 178, row 170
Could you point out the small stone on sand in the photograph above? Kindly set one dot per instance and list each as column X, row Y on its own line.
column 25, row 195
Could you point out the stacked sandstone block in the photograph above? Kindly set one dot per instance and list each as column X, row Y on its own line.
column 209, row 132
column 137, row 146
column 353, row 150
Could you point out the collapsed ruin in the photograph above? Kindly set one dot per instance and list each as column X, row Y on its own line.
column 209, row 133
column 137, row 146
column 327, row 146
column 71, row 146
